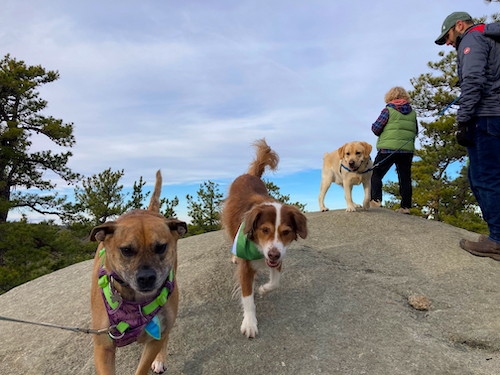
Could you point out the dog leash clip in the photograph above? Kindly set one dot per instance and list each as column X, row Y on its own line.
column 113, row 336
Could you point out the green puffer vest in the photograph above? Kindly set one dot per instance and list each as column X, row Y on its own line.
column 398, row 130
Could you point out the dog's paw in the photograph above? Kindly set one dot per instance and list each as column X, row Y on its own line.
column 234, row 259
column 325, row 209
column 262, row 290
column 158, row 367
column 249, row 327
column 351, row 209
column 266, row 288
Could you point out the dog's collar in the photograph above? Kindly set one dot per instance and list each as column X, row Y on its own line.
column 244, row 248
column 130, row 318
column 356, row 170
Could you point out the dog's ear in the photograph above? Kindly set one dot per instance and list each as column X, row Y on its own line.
column 299, row 220
column 341, row 151
column 180, row 227
column 251, row 218
column 368, row 150
column 100, row 232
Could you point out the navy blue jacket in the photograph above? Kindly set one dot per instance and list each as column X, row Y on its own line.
column 478, row 66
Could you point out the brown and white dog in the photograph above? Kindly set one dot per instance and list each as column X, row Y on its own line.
column 135, row 265
column 348, row 166
column 268, row 224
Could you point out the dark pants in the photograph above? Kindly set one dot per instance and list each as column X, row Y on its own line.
column 403, row 169
column 484, row 171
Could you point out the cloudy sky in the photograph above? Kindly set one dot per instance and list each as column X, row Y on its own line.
column 187, row 86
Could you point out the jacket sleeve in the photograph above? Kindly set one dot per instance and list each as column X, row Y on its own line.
column 379, row 124
column 473, row 58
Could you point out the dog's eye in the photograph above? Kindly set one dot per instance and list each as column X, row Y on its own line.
column 358, row 153
column 160, row 249
column 286, row 232
column 126, row 251
column 348, row 153
column 265, row 230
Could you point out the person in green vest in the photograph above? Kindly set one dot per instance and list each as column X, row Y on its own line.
column 396, row 128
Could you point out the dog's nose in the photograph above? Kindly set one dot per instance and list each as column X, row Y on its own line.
column 351, row 163
column 273, row 255
column 146, row 279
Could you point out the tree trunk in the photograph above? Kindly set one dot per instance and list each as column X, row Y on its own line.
column 4, row 203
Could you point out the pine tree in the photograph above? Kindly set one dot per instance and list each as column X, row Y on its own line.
column 169, row 207
column 138, row 197
column 101, row 196
column 20, row 119
column 205, row 212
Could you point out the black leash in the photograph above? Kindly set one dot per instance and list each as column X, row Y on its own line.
column 412, row 138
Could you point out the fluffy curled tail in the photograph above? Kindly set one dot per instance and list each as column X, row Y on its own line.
column 264, row 157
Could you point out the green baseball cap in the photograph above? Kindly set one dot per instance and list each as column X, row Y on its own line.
column 449, row 22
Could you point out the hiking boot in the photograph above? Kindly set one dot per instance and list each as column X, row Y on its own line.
column 484, row 248
column 482, row 237
column 402, row 210
column 375, row 203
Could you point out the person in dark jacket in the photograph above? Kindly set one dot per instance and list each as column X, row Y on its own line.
column 478, row 117
column 395, row 128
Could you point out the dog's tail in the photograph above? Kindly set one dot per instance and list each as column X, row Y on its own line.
column 264, row 157
column 154, row 203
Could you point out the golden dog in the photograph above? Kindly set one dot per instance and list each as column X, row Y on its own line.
column 348, row 166
column 134, row 290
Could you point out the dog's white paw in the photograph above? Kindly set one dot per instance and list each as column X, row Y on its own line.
column 234, row 259
column 158, row 367
column 351, row 209
column 249, row 327
column 264, row 289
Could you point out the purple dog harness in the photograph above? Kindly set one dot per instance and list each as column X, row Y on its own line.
column 130, row 318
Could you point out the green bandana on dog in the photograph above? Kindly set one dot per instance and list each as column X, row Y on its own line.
column 244, row 248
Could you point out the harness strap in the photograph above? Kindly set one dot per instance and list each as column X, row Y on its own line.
column 161, row 299
column 108, row 293
column 142, row 315
column 122, row 327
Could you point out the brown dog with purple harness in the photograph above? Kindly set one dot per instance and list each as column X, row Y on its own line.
column 134, row 289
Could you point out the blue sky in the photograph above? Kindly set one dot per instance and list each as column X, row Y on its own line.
column 186, row 87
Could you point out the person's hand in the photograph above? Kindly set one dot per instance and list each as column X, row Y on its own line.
column 461, row 134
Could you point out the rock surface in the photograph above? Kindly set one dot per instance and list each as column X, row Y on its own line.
column 343, row 307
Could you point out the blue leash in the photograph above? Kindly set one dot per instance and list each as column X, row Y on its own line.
column 411, row 139
column 453, row 102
